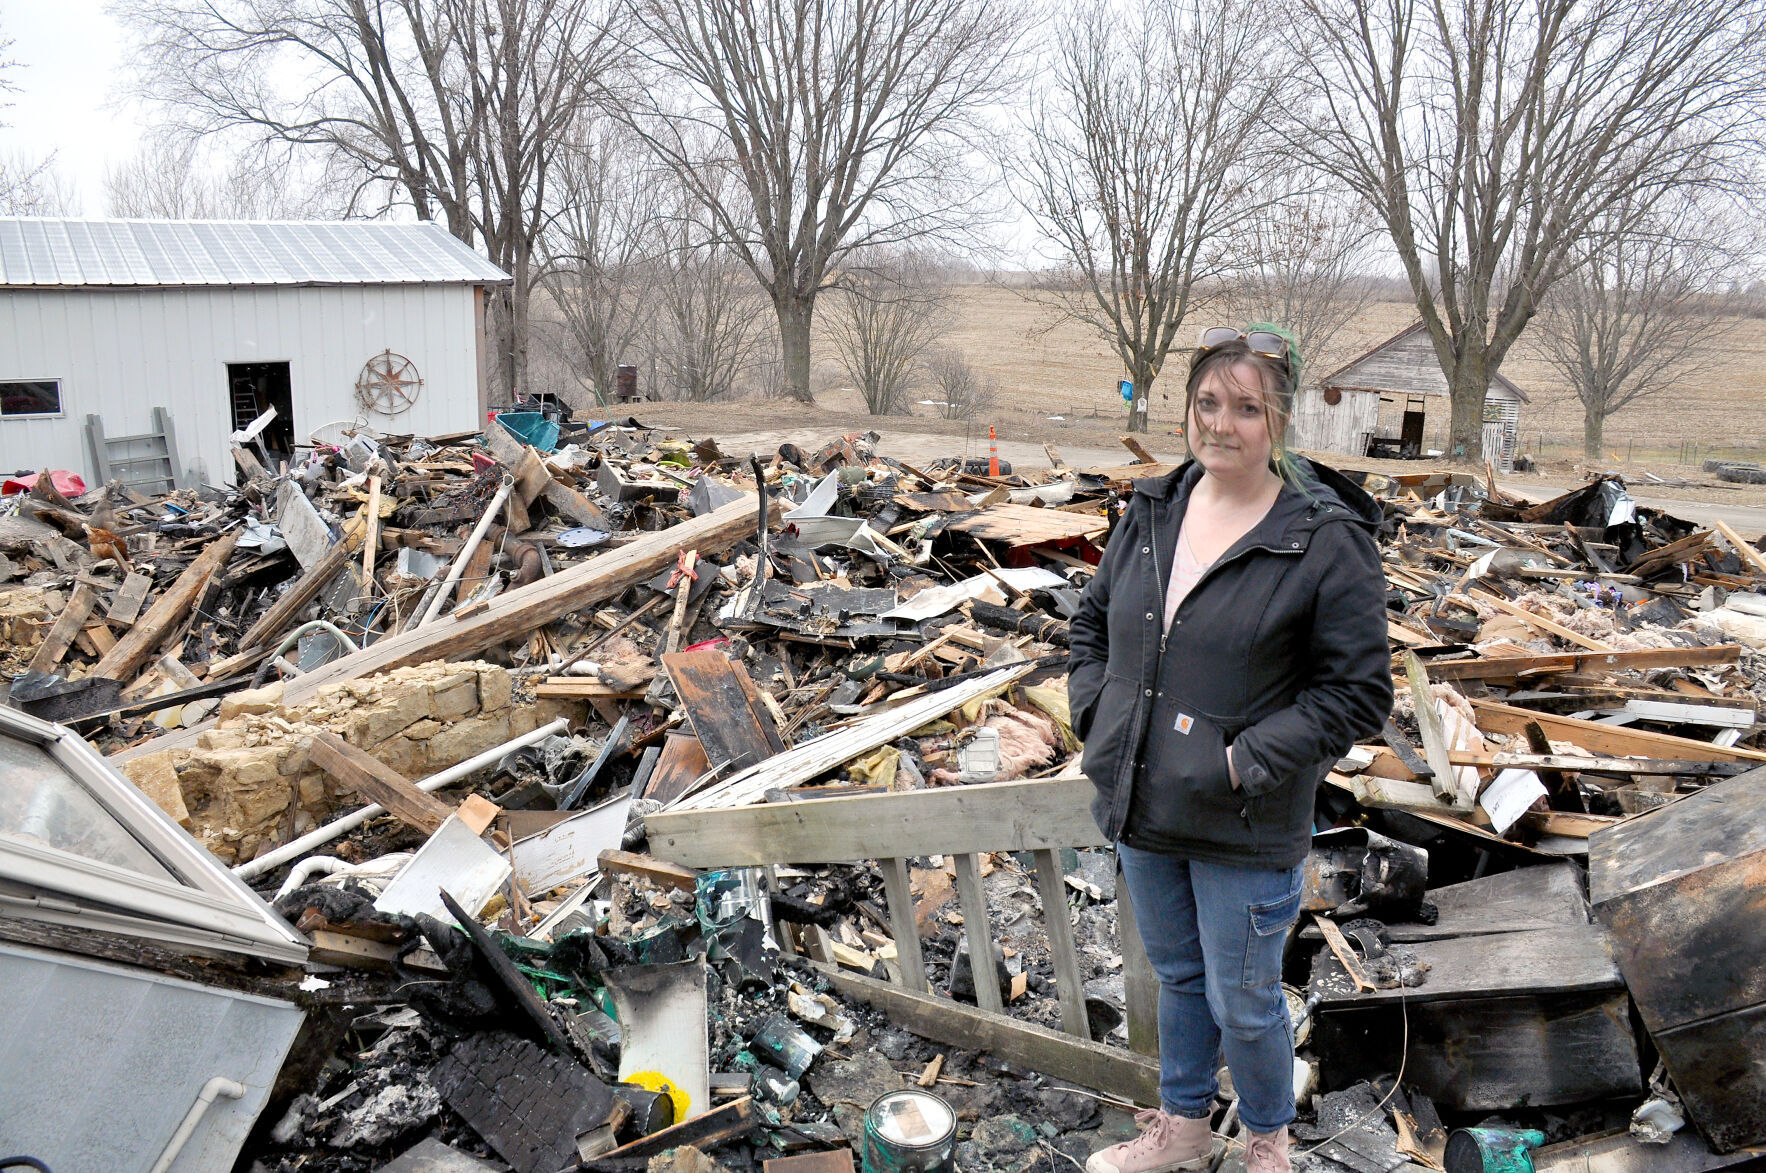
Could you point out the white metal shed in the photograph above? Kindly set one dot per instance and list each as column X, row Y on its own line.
column 137, row 347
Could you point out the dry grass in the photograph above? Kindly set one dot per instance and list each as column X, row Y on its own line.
column 1048, row 368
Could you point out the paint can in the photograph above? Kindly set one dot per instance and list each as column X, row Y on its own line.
column 1492, row 1150
column 910, row 1131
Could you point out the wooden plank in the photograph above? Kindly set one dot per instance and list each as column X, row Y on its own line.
column 995, row 816
column 305, row 589
column 1559, row 960
column 681, row 763
column 135, row 648
column 1742, row 547
column 126, row 605
column 1069, row 981
column 657, row 871
column 1140, row 985
column 1025, row 525
column 898, row 889
column 703, row 1131
column 1513, row 667
column 1428, row 723
column 515, row 613
column 1540, row 622
column 813, row 758
column 1534, row 761
column 734, row 732
column 67, row 626
column 1141, row 455
column 978, row 931
column 1612, row 740
column 587, row 690
column 375, row 782
column 1106, row 1069
column 371, row 544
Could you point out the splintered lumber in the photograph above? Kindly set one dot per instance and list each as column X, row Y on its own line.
column 681, row 763
column 376, row 782
column 513, row 614
column 306, row 588
column 723, row 707
column 1541, row 622
column 1045, row 814
column 657, row 871
column 127, row 604
column 1515, row 667
column 1036, row 1048
column 1533, row 761
column 811, row 758
column 137, row 647
column 1141, row 455
column 704, row 1131
column 61, row 636
column 1742, row 547
column 1428, row 723
column 1025, row 525
column 1610, row 740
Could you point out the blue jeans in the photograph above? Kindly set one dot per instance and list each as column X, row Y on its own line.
column 1215, row 934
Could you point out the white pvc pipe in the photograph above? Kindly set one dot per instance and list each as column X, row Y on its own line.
column 309, row 867
column 466, row 551
column 216, row 1087
column 281, row 855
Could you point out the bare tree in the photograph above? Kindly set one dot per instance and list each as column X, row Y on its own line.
column 171, row 177
column 888, row 311
column 1644, row 313
column 455, row 108
column 848, row 124
column 1143, row 142
column 1493, row 138
column 28, row 186
column 962, row 390
column 1306, row 255
column 601, row 244
column 711, row 326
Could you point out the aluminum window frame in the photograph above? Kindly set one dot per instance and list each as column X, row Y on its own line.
column 60, row 412
column 209, row 906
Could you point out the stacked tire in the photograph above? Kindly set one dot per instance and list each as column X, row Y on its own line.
column 1739, row 472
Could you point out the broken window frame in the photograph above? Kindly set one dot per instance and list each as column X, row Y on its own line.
column 205, row 906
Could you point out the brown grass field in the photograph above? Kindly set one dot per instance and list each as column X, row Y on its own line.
column 1049, row 368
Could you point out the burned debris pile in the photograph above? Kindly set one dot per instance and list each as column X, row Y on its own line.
column 643, row 806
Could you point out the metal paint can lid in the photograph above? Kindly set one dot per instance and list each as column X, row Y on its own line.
column 910, row 1131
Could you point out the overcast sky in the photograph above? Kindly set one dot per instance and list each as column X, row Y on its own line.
column 69, row 101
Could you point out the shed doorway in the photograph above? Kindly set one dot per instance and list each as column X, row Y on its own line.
column 254, row 388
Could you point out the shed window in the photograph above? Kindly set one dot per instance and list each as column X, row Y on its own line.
column 32, row 397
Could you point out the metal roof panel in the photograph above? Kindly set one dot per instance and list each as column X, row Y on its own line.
column 36, row 252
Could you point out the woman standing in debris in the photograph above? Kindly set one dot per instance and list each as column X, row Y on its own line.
column 1230, row 648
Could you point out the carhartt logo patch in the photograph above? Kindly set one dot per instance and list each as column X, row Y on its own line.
column 1183, row 723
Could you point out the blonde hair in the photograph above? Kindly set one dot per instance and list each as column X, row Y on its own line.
column 1278, row 379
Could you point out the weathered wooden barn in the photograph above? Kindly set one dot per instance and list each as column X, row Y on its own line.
column 1393, row 401
column 135, row 349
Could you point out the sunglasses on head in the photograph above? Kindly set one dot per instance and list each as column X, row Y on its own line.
column 1267, row 343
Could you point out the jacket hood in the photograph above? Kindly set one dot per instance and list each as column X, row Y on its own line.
column 1325, row 486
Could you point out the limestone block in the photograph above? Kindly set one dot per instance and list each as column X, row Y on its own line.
column 423, row 730
column 493, row 689
column 455, row 696
column 465, row 739
column 402, row 756
column 311, row 788
column 156, row 777
column 252, row 701
column 398, row 708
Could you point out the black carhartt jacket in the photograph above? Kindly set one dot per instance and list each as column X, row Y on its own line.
column 1279, row 650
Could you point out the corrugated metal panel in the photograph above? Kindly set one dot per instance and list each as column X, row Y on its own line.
column 119, row 353
column 103, row 1062
column 85, row 253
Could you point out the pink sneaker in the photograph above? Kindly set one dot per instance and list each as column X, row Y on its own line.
column 1267, row 1152
column 1166, row 1143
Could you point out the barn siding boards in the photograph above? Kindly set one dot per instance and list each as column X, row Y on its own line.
column 114, row 352
column 1343, row 427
